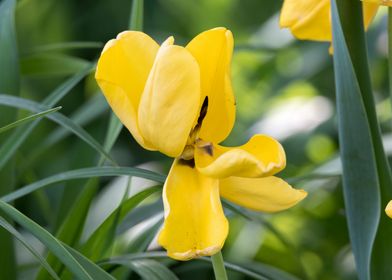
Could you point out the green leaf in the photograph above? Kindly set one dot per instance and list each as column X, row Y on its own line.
column 13, row 142
column 46, row 238
column 9, row 83
column 44, row 64
column 141, row 242
column 148, row 269
column 64, row 46
column 83, row 115
column 251, row 216
column 28, row 119
column 95, row 245
column 152, row 255
column 7, row 226
column 94, row 270
column 60, row 119
column 9, row 59
column 92, row 172
column 360, row 178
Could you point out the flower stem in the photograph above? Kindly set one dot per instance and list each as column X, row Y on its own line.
column 219, row 267
column 136, row 20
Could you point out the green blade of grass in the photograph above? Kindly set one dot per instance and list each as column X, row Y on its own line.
column 46, row 238
column 10, row 83
column 7, row 226
column 94, row 270
column 360, row 177
column 95, row 245
column 13, row 142
column 84, row 173
column 28, row 119
column 60, row 119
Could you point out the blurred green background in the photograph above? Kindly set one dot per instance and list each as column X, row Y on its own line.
column 283, row 88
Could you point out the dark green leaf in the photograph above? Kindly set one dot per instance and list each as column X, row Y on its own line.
column 96, row 242
column 84, row 173
column 28, row 119
column 13, row 142
column 94, row 270
column 51, row 65
column 46, row 238
column 56, row 117
column 360, row 178
column 7, row 226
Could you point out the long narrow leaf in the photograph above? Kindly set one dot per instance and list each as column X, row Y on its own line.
column 96, row 241
column 46, row 238
column 10, row 83
column 153, row 255
column 94, row 270
column 7, row 226
column 60, row 119
column 360, row 178
column 11, row 145
column 28, row 119
column 92, row 172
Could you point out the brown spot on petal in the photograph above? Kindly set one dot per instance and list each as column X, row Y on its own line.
column 190, row 163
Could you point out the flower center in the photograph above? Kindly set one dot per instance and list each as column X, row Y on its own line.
column 194, row 141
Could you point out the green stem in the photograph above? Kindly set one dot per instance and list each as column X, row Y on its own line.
column 219, row 266
column 136, row 20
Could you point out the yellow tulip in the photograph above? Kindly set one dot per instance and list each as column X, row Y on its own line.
column 179, row 101
column 311, row 19
column 388, row 209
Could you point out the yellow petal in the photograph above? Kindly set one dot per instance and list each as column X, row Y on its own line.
column 261, row 156
column 195, row 224
column 369, row 11
column 213, row 51
column 388, row 209
column 379, row 2
column 268, row 194
column 122, row 72
column 311, row 19
column 307, row 19
column 171, row 99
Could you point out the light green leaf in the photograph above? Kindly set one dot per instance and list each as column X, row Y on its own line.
column 360, row 178
column 7, row 226
column 60, row 119
column 92, row 172
column 28, row 119
column 46, row 238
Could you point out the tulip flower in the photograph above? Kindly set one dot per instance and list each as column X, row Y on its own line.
column 179, row 101
column 311, row 19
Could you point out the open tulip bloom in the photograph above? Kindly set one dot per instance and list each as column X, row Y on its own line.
column 311, row 19
column 179, row 101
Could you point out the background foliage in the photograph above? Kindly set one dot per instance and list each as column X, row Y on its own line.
column 284, row 88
